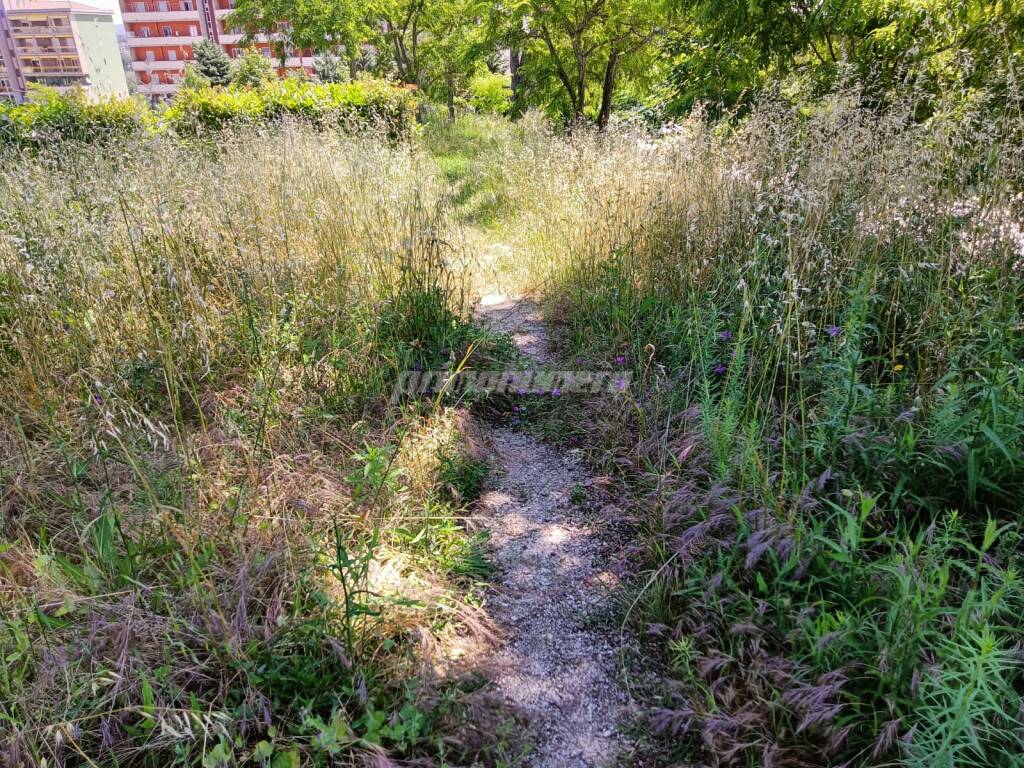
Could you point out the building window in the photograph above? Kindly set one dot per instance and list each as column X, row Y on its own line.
column 140, row 7
column 172, row 55
column 165, row 31
column 193, row 30
column 187, row 5
column 150, row 56
column 163, row 7
column 144, row 32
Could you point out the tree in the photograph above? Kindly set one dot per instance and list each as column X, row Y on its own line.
column 334, row 27
column 724, row 51
column 253, row 70
column 211, row 62
column 573, row 53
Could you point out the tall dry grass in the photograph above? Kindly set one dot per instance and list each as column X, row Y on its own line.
column 822, row 309
column 218, row 542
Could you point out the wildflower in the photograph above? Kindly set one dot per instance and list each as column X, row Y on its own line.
column 898, row 367
column 725, row 335
column 621, row 383
column 833, row 331
column 520, row 391
column 620, row 360
column 719, row 369
column 556, row 392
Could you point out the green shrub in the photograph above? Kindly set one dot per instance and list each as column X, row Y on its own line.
column 361, row 104
column 490, row 92
column 50, row 116
column 366, row 104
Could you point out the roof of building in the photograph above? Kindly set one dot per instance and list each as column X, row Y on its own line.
column 42, row 6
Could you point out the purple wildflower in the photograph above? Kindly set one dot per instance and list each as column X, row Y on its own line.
column 719, row 369
column 833, row 331
column 556, row 392
column 621, row 383
column 725, row 335
column 620, row 360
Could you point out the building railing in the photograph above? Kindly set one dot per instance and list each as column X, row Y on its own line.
column 52, row 70
column 162, row 6
column 45, row 50
column 40, row 29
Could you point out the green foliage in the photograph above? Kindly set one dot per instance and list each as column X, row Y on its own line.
column 726, row 52
column 330, row 69
column 364, row 103
column 50, row 116
column 210, row 61
column 576, row 53
column 253, row 70
column 197, row 108
column 194, row 80
column 490, row 93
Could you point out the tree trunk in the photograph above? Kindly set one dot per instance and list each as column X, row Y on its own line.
column 581, row 84
column 608, row 90
column 515, row 61
column 451, row 101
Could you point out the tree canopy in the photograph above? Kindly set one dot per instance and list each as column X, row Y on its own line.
column 581, row 59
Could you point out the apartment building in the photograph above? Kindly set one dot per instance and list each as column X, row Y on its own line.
column 160, row 35
column 61, row 44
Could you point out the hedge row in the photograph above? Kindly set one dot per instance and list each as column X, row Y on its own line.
column 50, row 116
column 359, row 104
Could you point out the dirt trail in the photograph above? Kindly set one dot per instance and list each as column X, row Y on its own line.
column 551, row 593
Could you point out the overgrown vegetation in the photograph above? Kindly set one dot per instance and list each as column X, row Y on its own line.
column 220, row 544
column 49, row 116
column 822, row 313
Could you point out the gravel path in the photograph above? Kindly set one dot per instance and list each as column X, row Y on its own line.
column 558, row 665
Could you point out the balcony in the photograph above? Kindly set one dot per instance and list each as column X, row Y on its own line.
column 153, row 66
column 40, row 30
column 159, row 11
column 234, row 38
column 45, row 50
column 156, row 42
column 75, row 71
